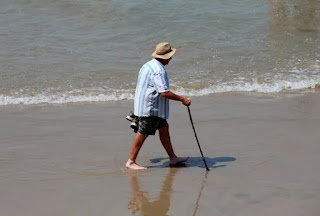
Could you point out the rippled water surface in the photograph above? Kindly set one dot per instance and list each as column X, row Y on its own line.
column 91, row 50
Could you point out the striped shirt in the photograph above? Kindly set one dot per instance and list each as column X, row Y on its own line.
column 152, row 81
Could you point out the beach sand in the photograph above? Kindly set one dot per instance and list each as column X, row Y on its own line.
column 263, row 151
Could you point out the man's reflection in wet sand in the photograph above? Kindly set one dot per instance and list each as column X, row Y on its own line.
column 140, row 202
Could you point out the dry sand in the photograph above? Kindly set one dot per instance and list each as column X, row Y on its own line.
column 263, row 151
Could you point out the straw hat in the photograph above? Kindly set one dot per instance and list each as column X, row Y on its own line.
column 163, row 51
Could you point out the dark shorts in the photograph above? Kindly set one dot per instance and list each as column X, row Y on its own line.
column 149, row 125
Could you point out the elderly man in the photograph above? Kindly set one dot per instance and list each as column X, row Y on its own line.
column 151, row 105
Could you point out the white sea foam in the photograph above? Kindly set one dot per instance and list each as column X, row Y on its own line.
column 103, row 95
column 61, row 98
column 274, row 87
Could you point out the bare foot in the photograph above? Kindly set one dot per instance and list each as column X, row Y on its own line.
column 178, row 160
column 132, row 165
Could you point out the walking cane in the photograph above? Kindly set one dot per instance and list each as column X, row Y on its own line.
column 195, row 134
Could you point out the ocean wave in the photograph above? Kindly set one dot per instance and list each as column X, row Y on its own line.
column 100, row 95
column 255, row 86
column 61, row 98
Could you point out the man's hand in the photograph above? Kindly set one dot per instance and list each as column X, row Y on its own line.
column 173, row 96
column 186, row 101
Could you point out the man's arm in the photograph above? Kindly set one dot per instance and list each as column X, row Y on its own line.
column 173, row 96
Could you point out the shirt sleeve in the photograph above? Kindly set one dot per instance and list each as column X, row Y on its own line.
column 160, row 81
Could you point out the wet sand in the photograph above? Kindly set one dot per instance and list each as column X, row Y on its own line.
column 263, row 152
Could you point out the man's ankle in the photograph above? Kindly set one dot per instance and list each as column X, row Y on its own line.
column 130, row 161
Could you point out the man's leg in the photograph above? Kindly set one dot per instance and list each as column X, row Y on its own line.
column 166, row 142
column 136, row 146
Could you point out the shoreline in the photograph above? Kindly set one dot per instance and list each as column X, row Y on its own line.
column 283, row 93
column 128, row 95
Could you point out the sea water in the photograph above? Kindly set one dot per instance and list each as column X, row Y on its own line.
column 61, row 51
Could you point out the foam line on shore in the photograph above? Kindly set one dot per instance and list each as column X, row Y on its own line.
column 87, row 95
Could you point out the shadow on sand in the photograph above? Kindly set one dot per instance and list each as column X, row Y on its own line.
column 194, row 162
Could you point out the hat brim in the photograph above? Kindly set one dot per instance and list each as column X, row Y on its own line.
column 165, row 56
